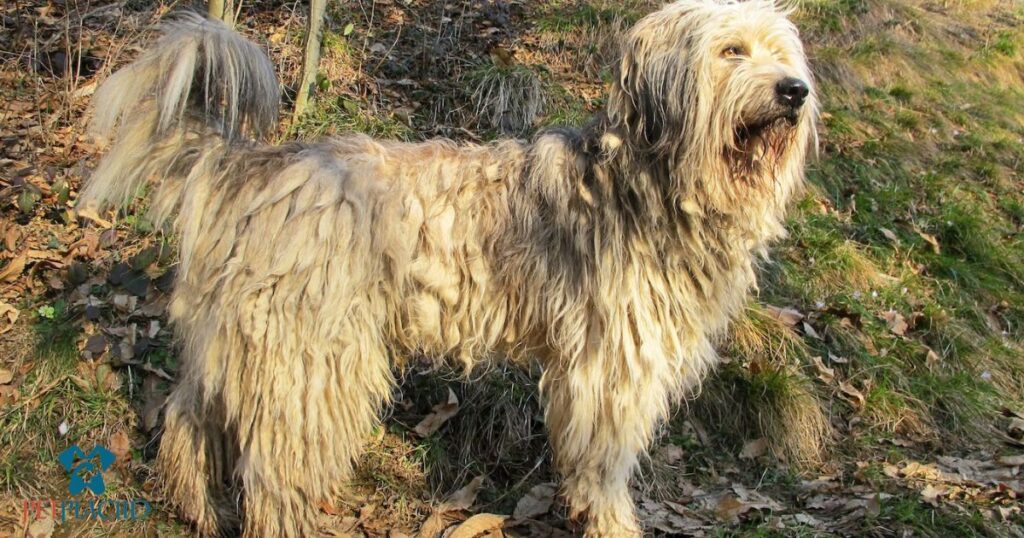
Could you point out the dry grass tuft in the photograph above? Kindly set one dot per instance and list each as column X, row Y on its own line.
column 777, row 404
column 758, row 336
column 507, row 98
column 761, row 392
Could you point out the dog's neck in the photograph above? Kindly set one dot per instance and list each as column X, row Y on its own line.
column 659, row 192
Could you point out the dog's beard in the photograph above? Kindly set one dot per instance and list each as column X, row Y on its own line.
column 758, row 147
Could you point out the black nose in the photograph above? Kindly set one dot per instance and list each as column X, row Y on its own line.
column 791, row 91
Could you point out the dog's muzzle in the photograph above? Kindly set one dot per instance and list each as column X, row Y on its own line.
column 791, row 92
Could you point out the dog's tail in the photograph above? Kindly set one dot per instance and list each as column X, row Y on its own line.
column 199, row 90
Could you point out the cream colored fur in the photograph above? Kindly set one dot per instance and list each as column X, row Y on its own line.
column 616, row 255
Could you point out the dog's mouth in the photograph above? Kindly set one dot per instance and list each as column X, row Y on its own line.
column 750, row 136
column 761, row 140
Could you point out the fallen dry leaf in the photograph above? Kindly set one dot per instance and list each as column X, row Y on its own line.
column 836, row 359
column 853, row 395
column 10, row 237
column 536, row 502
column 84, row 91
column 809, row 520
column 442, row 413
column 5, row 376
column 670, row 454
column 756, row 499
column 931, row 493
column 152, row 402
column 826, row 374
column 8, row 316
column 91, row 215
column 329, row 508
column 670, row 518
column 1015, row 428
column 809, row 331
column 434, row 526
column 930, row 239
column 1011, row 461
column 106, row 378
column 978, row 471
column 729, row 509
column 480, row 524
column 86, row 246
column 120, row 445
column 13, row 269
column 897, row 324
column 754, row 449
column 464, row 498
column 787, row 316
column 95, row 347
column 889, row 234
column 41, row 528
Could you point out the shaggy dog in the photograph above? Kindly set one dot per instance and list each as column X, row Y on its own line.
column 615, row 255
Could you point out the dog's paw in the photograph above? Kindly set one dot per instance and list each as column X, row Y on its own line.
column 612, row 526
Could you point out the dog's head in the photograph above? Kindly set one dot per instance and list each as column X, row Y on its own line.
column 718, row 86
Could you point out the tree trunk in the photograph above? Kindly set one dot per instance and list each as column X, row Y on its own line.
column 311, row 63
column 223, row 10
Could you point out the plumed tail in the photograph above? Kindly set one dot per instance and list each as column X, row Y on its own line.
column 199, row 89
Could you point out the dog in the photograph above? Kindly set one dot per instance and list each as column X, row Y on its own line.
column 615, row 255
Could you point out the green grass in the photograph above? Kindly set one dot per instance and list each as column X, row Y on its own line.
column 907, row 512
column 566, row 110
column 567, row 16
column 907, row 158
column 57, row 392
column 344, row 115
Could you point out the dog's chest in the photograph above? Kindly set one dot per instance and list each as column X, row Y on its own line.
column 694, row 289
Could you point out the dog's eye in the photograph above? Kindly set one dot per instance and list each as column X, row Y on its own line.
column 733, row 51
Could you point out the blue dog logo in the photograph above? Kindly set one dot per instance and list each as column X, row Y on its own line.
column 83, row 468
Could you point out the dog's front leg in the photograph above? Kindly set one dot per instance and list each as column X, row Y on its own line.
column 600, row 417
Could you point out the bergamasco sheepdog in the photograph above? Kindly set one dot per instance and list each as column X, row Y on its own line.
column 614, row 255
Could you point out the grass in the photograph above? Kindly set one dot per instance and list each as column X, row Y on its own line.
column 566, row 16
column 59, row 392
column 341, row 115
column 905, row 160
column 910, row 514
column 566, row 110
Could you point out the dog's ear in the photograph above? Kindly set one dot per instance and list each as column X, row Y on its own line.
column 653, row 87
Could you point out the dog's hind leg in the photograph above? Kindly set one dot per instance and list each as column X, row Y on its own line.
column 309, row 397
column 600, row 420
column 195, row 462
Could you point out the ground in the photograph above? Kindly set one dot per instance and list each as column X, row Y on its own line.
column 875, row 384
